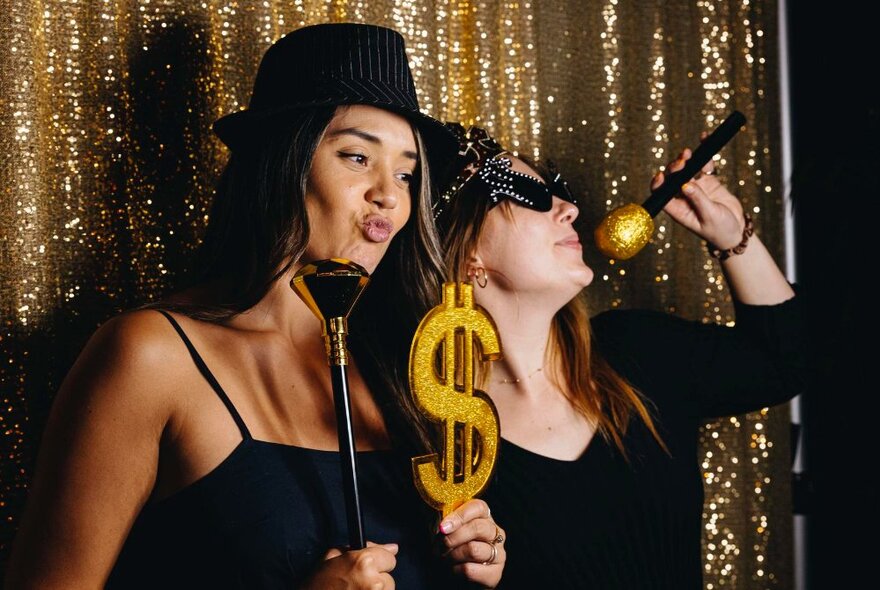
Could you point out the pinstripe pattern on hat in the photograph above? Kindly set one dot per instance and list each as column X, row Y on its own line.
column 334, row 64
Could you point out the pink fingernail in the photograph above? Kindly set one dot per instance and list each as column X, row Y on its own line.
column 445, row 527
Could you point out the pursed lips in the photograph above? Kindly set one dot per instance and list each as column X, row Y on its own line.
column 377, row 228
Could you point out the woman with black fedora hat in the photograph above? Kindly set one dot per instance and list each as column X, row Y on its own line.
column 193, row 444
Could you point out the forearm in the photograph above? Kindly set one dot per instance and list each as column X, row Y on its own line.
column 754, row 277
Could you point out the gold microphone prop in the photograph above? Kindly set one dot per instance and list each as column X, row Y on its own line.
column 330, row 288
column 627, row 229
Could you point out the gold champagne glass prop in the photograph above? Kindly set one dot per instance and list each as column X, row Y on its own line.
column 628, row 228
column 330, row 288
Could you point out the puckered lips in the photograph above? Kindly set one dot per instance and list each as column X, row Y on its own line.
column 377, row 228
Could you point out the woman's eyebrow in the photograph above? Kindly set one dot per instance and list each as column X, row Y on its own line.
column 368, row 137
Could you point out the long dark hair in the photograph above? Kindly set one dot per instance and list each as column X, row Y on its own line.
column 258, row 228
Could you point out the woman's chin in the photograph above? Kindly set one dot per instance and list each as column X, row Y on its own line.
column 585, row 277
column 580, row 276
column 366, row 255
column 369, row 258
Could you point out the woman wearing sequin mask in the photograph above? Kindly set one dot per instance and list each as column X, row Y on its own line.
column 597, row 479
column 194, row 444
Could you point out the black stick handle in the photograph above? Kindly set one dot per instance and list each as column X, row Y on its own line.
column 347, row 456
column 701, row 156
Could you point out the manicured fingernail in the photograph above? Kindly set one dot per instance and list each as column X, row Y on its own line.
column 445, row 527
column 687, row 188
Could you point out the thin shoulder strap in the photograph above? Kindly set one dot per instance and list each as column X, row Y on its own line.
column 209, row 377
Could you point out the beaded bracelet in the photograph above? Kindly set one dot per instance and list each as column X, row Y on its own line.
column 748, row 230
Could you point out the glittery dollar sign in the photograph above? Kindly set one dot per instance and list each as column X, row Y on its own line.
column 445, row 392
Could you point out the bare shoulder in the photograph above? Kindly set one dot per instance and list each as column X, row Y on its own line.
column 100, row 453
column 140, row 336
column 136, row 356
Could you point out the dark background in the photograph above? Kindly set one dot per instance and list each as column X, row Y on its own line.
column 833, row 57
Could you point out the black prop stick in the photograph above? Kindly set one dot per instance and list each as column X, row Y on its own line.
column 628, row 228
column 330, row 288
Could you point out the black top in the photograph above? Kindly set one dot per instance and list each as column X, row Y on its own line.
column 266, row 515
column 602, row 522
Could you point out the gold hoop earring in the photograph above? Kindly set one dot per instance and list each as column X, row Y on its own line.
column 481, row 277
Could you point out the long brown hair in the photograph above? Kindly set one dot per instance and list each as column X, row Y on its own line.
column 258, row 228
column 591, row 385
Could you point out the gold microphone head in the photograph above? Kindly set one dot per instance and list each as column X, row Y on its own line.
column 624, row 231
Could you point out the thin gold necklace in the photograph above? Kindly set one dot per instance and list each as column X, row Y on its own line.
column 529, row 376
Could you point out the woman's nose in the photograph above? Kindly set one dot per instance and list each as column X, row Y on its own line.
column 566, row 212
column 383, row 193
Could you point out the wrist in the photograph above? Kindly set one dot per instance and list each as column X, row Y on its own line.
column 725, row 253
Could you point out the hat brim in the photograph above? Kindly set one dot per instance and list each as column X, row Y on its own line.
column 241, row 130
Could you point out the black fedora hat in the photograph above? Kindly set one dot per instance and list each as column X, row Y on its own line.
column 334, row 64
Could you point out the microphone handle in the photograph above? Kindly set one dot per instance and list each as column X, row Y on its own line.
column 701, row 156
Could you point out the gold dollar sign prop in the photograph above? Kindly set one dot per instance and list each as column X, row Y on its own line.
column 450, row 397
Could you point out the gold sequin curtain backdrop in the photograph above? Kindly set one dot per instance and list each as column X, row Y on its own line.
column 108, row 163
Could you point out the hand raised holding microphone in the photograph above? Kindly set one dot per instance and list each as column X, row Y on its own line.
column 627, row 229
column 692, row 195
column 706, row 207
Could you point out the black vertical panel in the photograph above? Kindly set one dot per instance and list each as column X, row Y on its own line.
column 833, row 58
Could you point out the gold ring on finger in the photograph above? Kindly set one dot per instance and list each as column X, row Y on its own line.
column 492, row 557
